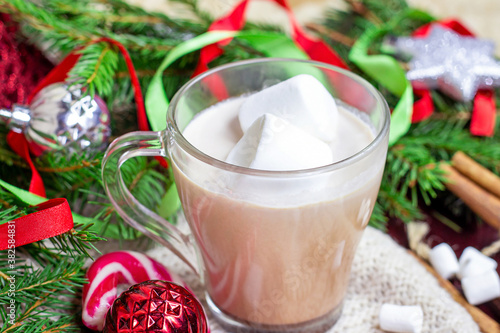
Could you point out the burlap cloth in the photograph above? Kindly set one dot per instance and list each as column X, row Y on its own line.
column 383, row 272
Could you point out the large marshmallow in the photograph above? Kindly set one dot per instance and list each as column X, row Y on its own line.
column 479, row 289
column 401, row 318
column 302, row 100
column 272, row 143
column 473, row 262
column 444, row 260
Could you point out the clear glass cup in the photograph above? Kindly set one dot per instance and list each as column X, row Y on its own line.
column 273, row 248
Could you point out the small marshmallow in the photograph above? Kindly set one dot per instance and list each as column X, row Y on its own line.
column 476, row 267
column 479, row 289
column 301, row 100
column 444, row 260
column 401, row 318
column 272, row 143
column 473, row 262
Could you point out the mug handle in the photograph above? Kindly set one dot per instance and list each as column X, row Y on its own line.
column 129, row 208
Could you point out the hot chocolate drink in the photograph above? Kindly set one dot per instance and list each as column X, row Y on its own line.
column 276, row 250
column 277, row 164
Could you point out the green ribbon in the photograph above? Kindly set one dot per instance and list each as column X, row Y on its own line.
column 270, row 44
column 156, row 99
column 111, row 230
column 388, row 72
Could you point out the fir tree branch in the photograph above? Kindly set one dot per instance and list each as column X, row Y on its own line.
column 19, row 321
column 26, row 11
column 37, row 317
column 4, row 276
column 95, row 69
column 82, row 165
column 67, row 32
column 7, row 156
column 193, row 6
column 457, row 116
column 12, row 212
column 396, row 205
column 38, row 291
column 379, row 218
column 72, row 244
column 331, row 34
column 49, row 278
column 106, row 17
column 58, row 327
column 151, row 72
column 359, row 8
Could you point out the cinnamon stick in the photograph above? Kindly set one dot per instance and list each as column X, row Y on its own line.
column 485, row 323
column 483, row 203
column 476, row 172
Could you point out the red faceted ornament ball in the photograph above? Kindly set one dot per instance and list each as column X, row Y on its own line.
column 156, row 306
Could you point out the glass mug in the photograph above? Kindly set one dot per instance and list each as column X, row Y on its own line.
column 273, row 248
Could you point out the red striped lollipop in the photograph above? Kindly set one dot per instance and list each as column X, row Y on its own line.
column 113, row 273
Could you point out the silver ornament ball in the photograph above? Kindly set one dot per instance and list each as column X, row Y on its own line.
column 61, row 118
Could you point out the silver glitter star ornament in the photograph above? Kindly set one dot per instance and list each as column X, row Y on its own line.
column 457, row 65
column 61, row 118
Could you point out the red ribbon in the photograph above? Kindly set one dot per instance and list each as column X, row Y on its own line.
column 18, row 142
column 484, row 110
column 52, row 218
column 142, row 118
column 452, row 24
column 57, row 74
column 20, row 145
column 316, row 49
column 483, row 117
column 424, row 107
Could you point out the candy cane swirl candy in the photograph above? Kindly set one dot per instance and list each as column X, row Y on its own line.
column 113, row 273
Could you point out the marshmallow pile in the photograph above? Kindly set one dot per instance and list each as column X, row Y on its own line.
column 477, row 272
column 480, row 283
column 286, row 127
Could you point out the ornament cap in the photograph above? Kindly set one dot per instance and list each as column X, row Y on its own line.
column 18, row 119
